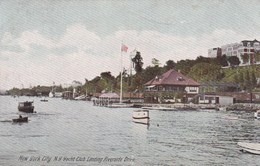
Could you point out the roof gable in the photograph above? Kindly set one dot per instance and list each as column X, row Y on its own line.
column 172, row 77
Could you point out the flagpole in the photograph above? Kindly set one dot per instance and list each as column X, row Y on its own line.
column 121, row 77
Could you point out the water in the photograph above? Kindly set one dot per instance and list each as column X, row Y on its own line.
column 76, row 130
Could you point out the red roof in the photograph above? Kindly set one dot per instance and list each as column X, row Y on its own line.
column 172, row 77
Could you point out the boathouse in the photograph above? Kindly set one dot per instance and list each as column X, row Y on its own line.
column 170, row 87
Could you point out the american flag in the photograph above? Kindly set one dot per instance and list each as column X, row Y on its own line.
column 124, row 48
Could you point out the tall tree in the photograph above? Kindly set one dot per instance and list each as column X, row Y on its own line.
column 155, row 62
column 170, row 64
column 138, row 62
column 150, row 73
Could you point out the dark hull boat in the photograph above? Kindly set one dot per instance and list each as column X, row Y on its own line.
column 44, row 100
column 20, row 120
column 26, row 107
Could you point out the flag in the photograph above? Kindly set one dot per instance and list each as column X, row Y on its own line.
column 124, row 48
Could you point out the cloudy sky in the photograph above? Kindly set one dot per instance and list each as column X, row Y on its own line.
column 46, row 41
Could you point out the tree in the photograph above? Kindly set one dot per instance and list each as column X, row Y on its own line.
column 253, row 79
column 138, row 62
column 206, row 72
column 222, row 60
column 234, row 61
column 170, row 64
column 241, row 80
column 236, row 79
column 106, row 75
column 155, row 62
column 150, row 73
column 248, row 83
column 185, row 65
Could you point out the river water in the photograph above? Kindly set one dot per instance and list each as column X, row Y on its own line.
column 65, row 132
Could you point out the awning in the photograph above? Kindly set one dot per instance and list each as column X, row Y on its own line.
column 151, row 86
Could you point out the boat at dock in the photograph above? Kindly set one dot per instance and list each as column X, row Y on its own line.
column 257, row 114
column 159, row 108
column 120, row 105
column 26, row 107
column 253, row 148
column 141, row 116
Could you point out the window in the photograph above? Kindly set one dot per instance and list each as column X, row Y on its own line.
column 193, row 89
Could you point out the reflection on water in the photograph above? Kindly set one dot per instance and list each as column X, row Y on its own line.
column 76, row 128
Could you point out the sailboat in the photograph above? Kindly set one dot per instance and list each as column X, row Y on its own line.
column 121, row 104
column 51, row 94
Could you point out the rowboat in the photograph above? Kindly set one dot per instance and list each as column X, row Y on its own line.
column 20, row 120
column 141, row 116
column 253, row 148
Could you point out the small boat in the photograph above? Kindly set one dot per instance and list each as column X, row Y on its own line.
column 26, row 107
column 221, row 108
column 120, row 105
column 44, row 100
column 82, row 97
column 159, row 108
column 141, row 116
column 253, row 148
column 231, row 117
column 20, row 120
column 257, row 114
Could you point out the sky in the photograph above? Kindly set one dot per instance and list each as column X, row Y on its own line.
column 46, row 41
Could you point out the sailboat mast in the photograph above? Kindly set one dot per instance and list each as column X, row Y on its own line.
column 121, row 78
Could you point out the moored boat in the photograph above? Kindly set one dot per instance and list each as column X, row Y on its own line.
column 44, row 100
column 20, row 120
column 141, row 116
column 26, row 107
column 253, row 148
column 257, row 114
column 160, row 108
column 120, row 105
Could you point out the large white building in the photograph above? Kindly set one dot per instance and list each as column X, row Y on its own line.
column 214, row 52
column 247, row 51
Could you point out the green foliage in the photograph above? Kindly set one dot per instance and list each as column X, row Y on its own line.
column 243, row 77
column 138, row 62
column 233, row 60
column 170, row 64
column 222, row 60
column 206, row 72
column 155, row 62
column 257, row 57
column 150, row 73
column 253, row 79
column 248, row 84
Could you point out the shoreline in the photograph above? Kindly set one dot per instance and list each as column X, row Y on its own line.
column 250, row 107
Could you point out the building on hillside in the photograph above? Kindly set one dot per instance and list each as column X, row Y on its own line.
column 214, row 52
column 171, row 86
column 248, row 51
